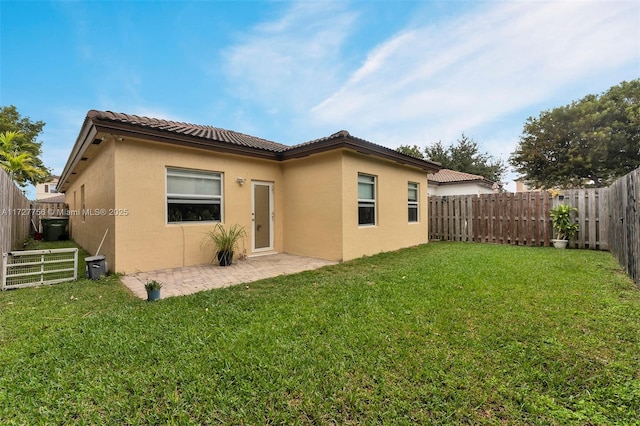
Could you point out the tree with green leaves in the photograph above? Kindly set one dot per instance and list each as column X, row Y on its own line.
column 590, row 142
column 414, row 151
column 20, row 165
column 20, row 150
column 463, row 156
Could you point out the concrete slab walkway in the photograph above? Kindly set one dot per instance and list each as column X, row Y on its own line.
column 191, row 279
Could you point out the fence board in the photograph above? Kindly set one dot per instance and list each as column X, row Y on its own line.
column 520, row 218
column 14, row 215
column 44, row 209
column 624, row 225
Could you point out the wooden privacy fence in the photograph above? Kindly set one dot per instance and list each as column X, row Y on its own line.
column 44, row 209
column 520, row 218
column 624, row 227
column 14, row 214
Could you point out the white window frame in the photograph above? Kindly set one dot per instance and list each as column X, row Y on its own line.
column 413, row 204
column 194, row 198
column 373, row 201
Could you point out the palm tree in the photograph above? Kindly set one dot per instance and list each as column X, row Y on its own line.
column 19, row 165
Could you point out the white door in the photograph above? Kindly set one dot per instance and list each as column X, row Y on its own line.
column 262, row 216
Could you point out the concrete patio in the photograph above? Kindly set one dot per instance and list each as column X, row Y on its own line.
column 191, row 279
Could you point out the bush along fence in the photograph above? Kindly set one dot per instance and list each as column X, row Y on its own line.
column 609, row 219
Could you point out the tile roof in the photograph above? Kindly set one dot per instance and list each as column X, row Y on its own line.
column 97, row 124
column 60, row 198
column 448, row 176
column 188, row 129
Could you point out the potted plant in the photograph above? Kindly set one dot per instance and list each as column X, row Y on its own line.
column 561, row 222
column 225, row 241
column 153, row 290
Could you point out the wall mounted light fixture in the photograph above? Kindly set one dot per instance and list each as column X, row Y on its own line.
column 240, row 181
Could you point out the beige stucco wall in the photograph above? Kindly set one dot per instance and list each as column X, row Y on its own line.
column 392, row 230
column 144, row 239
column 321, row 206
column 98, row 180
column 313, row 206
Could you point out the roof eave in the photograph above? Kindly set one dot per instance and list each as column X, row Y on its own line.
column 85, row 137
column 92, row 126
column 361, row 146
column 134, row 131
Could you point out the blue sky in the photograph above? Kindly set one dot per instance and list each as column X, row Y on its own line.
column 392, row 72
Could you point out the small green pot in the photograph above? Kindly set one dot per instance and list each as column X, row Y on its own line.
column 153, row 295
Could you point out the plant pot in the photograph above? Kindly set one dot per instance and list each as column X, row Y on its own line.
column 560, row 244
column 225, row 258
column 153, row 295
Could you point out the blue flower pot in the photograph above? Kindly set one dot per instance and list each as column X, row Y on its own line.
column 153, row 295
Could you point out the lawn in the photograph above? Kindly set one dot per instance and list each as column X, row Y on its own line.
column 441, row 333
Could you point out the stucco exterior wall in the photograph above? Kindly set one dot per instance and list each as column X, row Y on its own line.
column 99, row 183
column 392, row 230
column 313, row 206
column 144, row 239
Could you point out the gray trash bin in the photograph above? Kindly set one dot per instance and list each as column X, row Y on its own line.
column 96, row 267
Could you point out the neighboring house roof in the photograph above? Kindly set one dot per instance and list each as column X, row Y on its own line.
column 55, row 199
column 448, row 177
column 118, row 125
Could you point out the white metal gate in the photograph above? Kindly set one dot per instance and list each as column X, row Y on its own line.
column 38, row 267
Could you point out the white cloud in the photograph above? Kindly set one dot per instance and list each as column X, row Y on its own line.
column 441, row 79
column 292, row 62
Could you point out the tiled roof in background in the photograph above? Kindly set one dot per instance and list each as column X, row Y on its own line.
column 447, row 175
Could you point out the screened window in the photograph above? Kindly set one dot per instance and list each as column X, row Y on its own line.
column 193, row 196
column 413, row 202
column 366, row 200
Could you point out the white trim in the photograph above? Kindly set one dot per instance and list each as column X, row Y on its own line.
column 269, row 249
column 185, row 172
column 415, row 203
column 367, row 200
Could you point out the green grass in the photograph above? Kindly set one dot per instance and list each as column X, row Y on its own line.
column 444, row 333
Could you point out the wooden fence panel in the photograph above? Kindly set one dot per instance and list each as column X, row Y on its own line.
column 520, row 218
column 624, row 225
column 14, row 215
column 592, row 215
column 43, row 209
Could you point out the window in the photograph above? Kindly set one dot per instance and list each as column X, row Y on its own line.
column 53, row 189
column 193, row 196
column 46, row 189
column 413, row 202
column 82, row 202
column 366, row 200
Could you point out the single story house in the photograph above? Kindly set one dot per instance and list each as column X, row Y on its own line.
column 452, row 182
column 149, row 189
